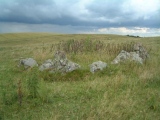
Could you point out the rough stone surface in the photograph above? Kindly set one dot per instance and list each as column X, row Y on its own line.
column 135, row 57
column 60, row 63
column 96, row 66
column 123, row 56
column 71, row 66
column 139, row 49
column 48, row 64
column 28, row 62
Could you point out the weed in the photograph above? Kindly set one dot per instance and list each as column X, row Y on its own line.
column 20, row 92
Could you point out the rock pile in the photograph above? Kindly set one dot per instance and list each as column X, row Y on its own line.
column 60, row 63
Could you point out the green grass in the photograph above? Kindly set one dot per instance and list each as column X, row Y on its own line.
column 119, row 92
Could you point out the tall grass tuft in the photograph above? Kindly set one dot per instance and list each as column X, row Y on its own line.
column 79, row 46
column 32, row 84
column 88, row 45
column 20, row 94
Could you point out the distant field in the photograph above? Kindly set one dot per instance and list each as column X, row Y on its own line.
column 127, row 91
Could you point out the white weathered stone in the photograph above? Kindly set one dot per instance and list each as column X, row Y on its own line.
column 28, row 62
column 96, row 66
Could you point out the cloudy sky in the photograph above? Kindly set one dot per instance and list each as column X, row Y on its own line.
column 134, row 17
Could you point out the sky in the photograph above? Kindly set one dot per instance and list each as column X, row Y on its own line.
column 124, row 17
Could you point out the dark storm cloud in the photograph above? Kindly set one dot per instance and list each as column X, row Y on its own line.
column 76, row 12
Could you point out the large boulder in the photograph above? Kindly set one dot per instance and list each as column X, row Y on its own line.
column 124, row 56
column 96, row 66
column 60, row 63
column 27, row 63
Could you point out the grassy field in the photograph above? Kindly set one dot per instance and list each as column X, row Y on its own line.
column 127, row 91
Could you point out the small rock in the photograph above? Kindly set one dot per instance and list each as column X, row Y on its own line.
column 96, row 66
column 48, row 64
column 71, row 66
column 28, row 62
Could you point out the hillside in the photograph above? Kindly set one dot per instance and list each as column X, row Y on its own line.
column 124, row 91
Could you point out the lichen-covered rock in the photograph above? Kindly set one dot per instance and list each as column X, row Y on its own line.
column 135, row 57
column 60, row 63
column 96, row 66
column 48, row 64
column 139, row 49
column 28, row 62
column 122, row 56
column 71, row 66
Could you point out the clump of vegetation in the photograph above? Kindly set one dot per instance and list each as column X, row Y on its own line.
column 32, row 84
column 88, row 45
column 8, row 92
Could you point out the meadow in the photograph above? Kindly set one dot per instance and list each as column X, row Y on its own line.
column 126, row 91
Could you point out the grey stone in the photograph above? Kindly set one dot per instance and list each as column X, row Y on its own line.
column 124, row 56
column 139, row 49
column 135, row 57
column 71, row 66
column 28, row 62
column 96, row 66
column 60, row 63
column 48, row 64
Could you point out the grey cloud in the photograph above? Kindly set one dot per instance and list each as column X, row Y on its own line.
column 94, row 14
column 21, row 27
column 116, row 16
